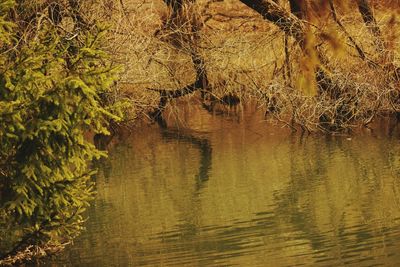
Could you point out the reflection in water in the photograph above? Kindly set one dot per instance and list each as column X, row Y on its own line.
column 203, row 145
column 244, row 194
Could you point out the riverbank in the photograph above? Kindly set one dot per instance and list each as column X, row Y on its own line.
column 32, row 254
column 321, row 70
column 254, row 60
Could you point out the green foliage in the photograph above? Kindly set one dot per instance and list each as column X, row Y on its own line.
column 52, row 92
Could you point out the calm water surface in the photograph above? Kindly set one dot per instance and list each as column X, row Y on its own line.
column 222, row 191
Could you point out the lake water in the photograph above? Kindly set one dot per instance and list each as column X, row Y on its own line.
column 237, row 191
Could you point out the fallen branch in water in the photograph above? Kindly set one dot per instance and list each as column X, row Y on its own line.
column 32, row 252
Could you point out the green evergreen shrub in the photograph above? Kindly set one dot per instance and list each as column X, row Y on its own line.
column 50, row 88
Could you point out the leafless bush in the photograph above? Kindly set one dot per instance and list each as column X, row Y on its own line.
column 250, row 58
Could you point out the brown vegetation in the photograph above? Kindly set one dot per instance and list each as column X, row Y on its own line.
column 309, row 64
column 312, row 65
column 323, row 65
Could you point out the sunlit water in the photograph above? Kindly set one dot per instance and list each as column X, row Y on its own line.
column 240, row 192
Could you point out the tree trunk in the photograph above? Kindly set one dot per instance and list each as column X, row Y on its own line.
column 296, row 28
column 177, row 19
column 360, row 52
column 293, row 26
column 298, row 8
column 369, row 20
column 276, row 14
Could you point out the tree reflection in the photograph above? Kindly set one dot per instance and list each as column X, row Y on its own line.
column 204, row 146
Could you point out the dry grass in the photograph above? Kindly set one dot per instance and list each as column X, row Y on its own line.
column 245, row 56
